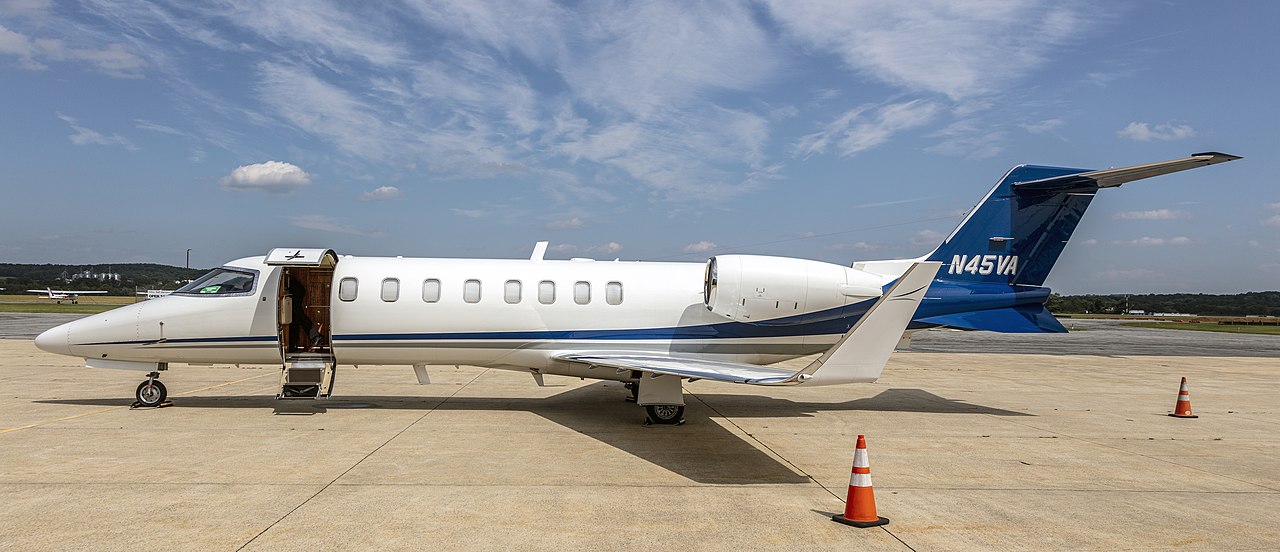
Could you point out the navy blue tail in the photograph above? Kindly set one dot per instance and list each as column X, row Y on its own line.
column 1016, row 234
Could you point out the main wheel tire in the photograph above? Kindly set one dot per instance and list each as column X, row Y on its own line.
column 665, row 414
column 151, row 393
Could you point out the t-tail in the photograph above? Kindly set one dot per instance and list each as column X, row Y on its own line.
column 995, row 262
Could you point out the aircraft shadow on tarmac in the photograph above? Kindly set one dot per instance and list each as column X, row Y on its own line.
column 702, row 450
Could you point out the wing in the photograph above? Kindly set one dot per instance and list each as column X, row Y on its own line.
column 692, row 368
column 860, row 354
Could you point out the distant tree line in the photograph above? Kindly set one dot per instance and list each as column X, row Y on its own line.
column 18, row 278
column 1254, row 303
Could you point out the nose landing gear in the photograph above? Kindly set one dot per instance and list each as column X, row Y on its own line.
column 151, row 393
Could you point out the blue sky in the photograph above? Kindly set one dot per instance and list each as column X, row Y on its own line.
column 840, row 131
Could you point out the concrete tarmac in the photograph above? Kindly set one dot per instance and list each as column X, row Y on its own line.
column 968, row 452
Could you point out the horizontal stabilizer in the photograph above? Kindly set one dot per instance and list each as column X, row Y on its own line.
column 1110, row 178
column 1021, row 319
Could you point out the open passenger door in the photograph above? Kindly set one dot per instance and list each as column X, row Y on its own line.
column 304, row 324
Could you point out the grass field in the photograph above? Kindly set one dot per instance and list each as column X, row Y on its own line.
column 36, row 303
column 1227, row 328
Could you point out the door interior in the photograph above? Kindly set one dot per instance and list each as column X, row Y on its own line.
column 305, row 322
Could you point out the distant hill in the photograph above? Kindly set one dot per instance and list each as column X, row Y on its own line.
column 1254, row 303
column 131, row 276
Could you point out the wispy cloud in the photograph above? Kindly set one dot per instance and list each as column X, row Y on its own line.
column 970, row 138
column 273, row 177
column 1044, row 126
column 328, row 224
column 700, row 247
column 927, row 237
column 37, row 53
column 381, row 193
column 607, row 248
column 960, row 50
column 866, row 127
column 86, row 136
column 861, row 246
column 1147, row 241
column 1155, row 214
column 571, row 223
column 1144, row 132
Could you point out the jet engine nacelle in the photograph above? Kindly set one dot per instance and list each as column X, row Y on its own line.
column 750, row 288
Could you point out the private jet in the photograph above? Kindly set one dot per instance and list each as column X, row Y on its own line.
column 651, row 325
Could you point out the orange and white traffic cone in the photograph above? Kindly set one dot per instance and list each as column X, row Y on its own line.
column 1182, row 409
column 860, row 505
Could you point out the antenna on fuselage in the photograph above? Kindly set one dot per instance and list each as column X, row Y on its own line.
column 539, row 250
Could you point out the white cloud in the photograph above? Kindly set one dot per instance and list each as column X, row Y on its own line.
column 563, row 248
column 36, row 53
column 1273, row 221
column 1156, row 214
column 572, row 223
column 866, row 127
column 1143, row 132
column 1041, row 127
column 85, row 136
column 328, row 224
column 273, row 177
column 611, row 248
column 1147, row 241
column 381, row 193
column 700, row 247
column 958, row 49
column 927, row 237
column 1274, row 206
column 856, row 246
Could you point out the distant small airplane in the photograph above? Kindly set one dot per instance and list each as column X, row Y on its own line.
column 725, row 319
column 63, row 295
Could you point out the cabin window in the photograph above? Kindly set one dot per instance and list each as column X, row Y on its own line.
column 347, row 289
column 390, row 290
column 511, row 291
column 431, row 290
column 613, row 293
column 582, row 292
column 471, row 291
column 546, row 292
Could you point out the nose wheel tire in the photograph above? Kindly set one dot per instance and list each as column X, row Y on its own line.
column 151, row 393
column 665, row 414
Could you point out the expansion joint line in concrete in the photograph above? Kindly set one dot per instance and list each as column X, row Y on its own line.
column 884, row 528
column 122, row 407
column 362, row 459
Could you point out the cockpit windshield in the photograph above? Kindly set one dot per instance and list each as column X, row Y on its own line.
column 220, row 281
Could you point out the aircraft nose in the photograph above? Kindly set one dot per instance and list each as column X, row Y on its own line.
column 55, row 340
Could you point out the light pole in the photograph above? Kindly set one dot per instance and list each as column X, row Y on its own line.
column 188, row 257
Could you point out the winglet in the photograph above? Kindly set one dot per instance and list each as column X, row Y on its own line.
column 861, row 354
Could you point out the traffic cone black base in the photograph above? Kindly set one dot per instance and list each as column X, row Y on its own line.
column 864, row 524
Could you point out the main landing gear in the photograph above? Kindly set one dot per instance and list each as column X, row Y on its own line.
column 665, row 414
column 662, row 398
column 151, row 393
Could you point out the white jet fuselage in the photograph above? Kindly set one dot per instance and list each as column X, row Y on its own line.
column 593, row 306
